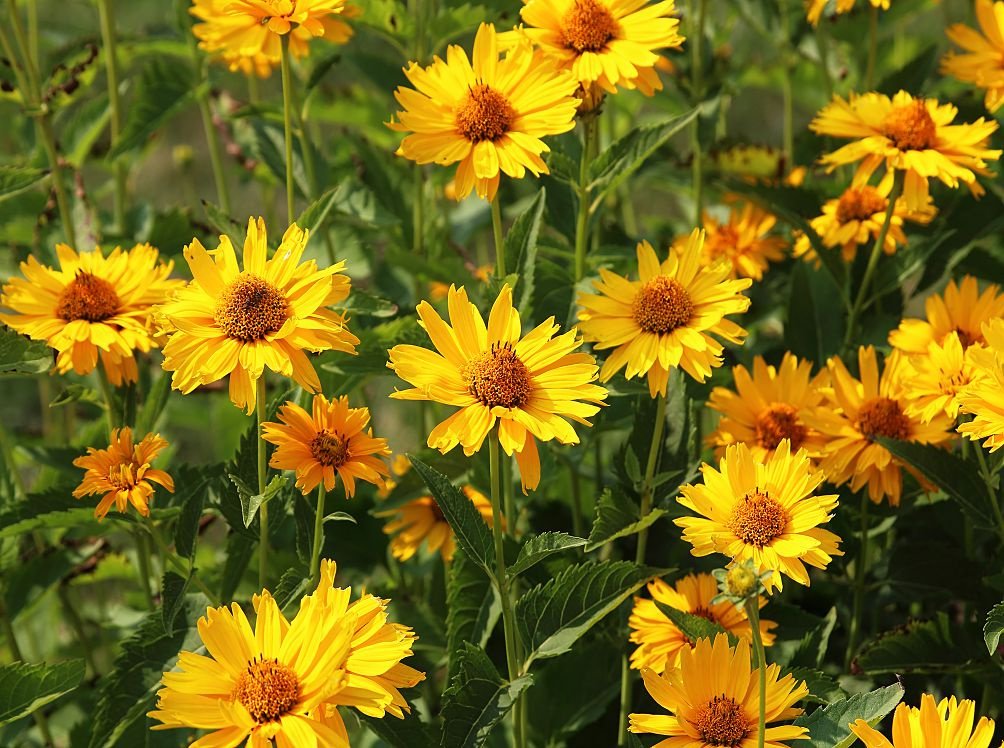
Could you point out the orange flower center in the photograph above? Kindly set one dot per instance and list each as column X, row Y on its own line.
column 267, row 690
column 485, row 114
column 883, row 416
column 662, row 305
column 722, row 242
column 704, row 613
column 966, row 338
column 123, row 475
column 251, row 308
column 757, row 519
column 779, row 421
column 89, row 298
column 910, row 127
column 722, row 722
column 499, row 378
column 587, row 26
column 860, row 204
column 329, row 449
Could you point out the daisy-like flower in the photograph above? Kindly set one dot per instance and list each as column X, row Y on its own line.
column 713, row 700
column 246, row 34
column 260, row 684
column 944, row 724
column 604, row 43
column 981, row 62
column 660, row 641
column 744, row 241
column 237, row 321
column 933, row 381
column 814, row 8
column 915, row 136
column 984, row 396
column 767, row 407
column 486, row 113
column 122, row 474
column 527, row 385
column 857, row 411
column 93, row 307
column 667, row 317
column 330, row 442
column 762, row 511
column 962, row 310
column 422, row 521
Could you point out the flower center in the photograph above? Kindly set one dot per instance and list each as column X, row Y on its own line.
column 329, row 449
column 662, row 305
column 87, row 297
column 485, row 115
column 250, row 308
column 123, row 475
column 499, row 378
column 779, row 421
column 704, row 613
column 967, row 339
column 757, row 519
column 587, row 26
column 722, row 722
column 882, row 416
column 267, row 690
column 723, row 242
column 860, row 204
column 910, row 127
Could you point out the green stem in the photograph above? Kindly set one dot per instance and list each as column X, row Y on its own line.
column 823, row 44
column 589, row 125
column 287, row 119
column 179, row 565
column 697, row 87
column 877, row 248
column 77, row 624
column 315, row 553
column 108, row 39
column 500, row 270
column 417, row 211
column 143, row 555
column 508, row 497
column 212, row 137
column 752, row 606
column 263, row 509
column 578, row 522
column 988, row 480
column 111, row 410
column 860, row 578
column 15, row 650
column 508, row 619
column 872, row 47
column 33, row 32
column 788, row 135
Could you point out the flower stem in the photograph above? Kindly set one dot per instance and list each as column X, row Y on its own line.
column 263, row 509
column 508, row 499
column 872, row 47
column 823, row 43
column 212, row 138
column 418, row 211
column 860, row 577
column 8, row 631
column 315, row 553
column 108, row 39
column 752, row 606
column 578, row 520
column 508, row 619
column 287, row 120
column 179, row 564
column 697, row 89
column 988, row 480
column 500, row 270
column 77, row 624
column 143, row 555
column 109, row 395
column 582, row 221
column 877, row 248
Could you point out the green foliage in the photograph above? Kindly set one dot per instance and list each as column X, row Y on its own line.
column 828, row 726
column 934, row 646
column 19, row 355
column 539, row 547
column 473, row 604
column 520, row 247
column 17, row 179
column 692, row 626
column 25, row 687
column 617, row 517
column 993, row 629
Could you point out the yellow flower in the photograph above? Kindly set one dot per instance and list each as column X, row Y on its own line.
column 769, row 406
column 489, row 115
column 762, row 511
column 91, row 307
column 660, row 641
column 421, row 521
column 980, row 64
column 857, row 411
column 984, row 396
column 744, row 241
column 962, row 309
column 915, row 136
column 330, row 442
column 666, row 318
column 122, row 473
column 262, row 684
column 246, row 33
column 713, row 700
column 237, row 322
column 526, row 385
column 604, row 43
column 944, row 724
column 814, row 8
column 933, row 380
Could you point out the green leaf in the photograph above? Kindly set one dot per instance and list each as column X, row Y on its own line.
column 812, row 649
column 694, row 627
column 56, row 508
column 25, row 687
column 952, row 475
column 172, row 598
column 165, row 88
column 813, row 330
column 192, row 500
column 552, row 616
column 539, row 547
column 934, row 646
column 822, row 688
column 410, row 731
column 469, row 528
column 223, row 224
column 340, row 517
column 250, row 502
column 75, row 393
column 626, row 155
column 16, row 179
column 353, row 202
column 473, row 607
column 617, row 517
column 153, row 404
column 20, row 356
column 994, row 628
column 520, row 247
column 828, row 726
column 292, row 586
column 477, row 699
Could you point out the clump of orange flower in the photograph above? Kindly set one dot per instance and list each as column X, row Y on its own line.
column 961, row 309
column 422, row 521
column 745, row 241
column 980, row 63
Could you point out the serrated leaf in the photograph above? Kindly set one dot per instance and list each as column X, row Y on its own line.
column 539, row 547
column 153, row 404
column 617, row 517
column 812, row 649
column 239, row 550
column 56, row 508
column 828, row 726
column 20, row 355
column 694, row 627
column 186, row 531
column 223, row 224
column 172, row 598
column 520, row 247
column 822, row 688
column 251, row 502
column 351, row 201
column 812, row 330
column 552, row 616
column 934, row 646
column 410, row 731
column 473, row 607
column 340, row 517
column 25, row 687
column 16, row 179
column 472, row 534
column 477, row 699
column 994, row 628
column 292, row 586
